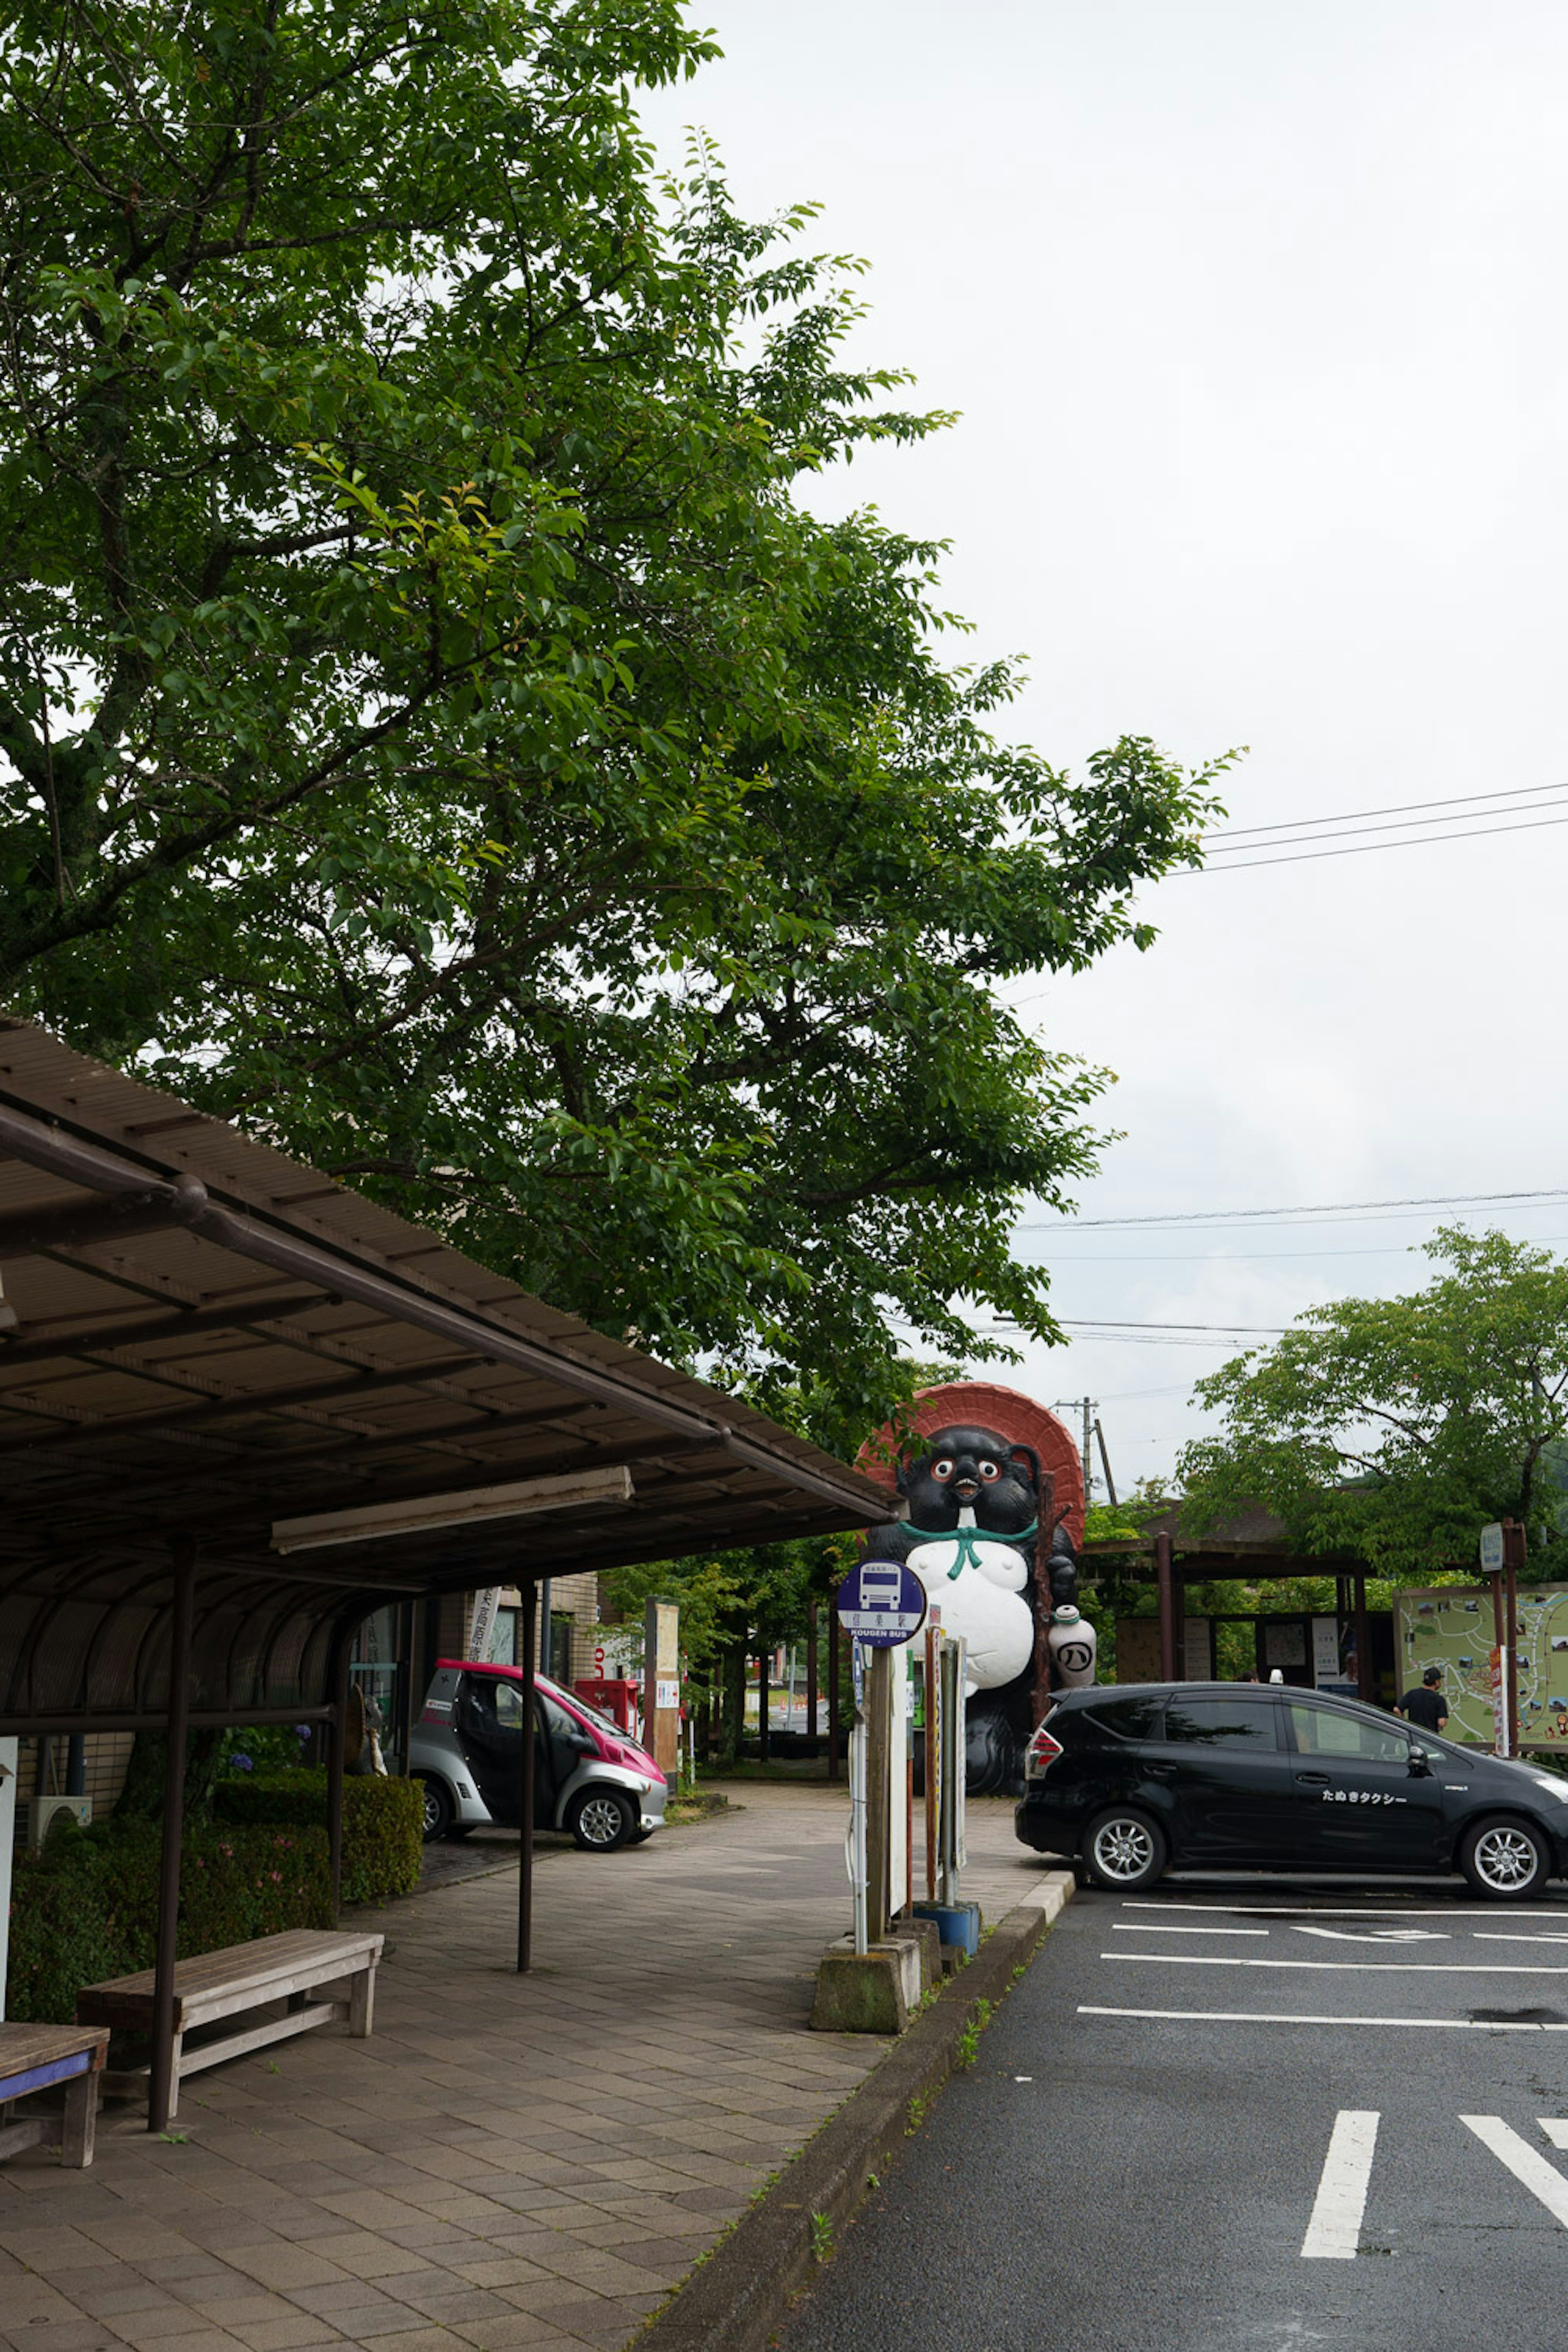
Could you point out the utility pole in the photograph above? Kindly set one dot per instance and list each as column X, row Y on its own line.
column 1087, row 1407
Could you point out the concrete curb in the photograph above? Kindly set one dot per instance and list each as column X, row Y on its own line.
column 734, row 2300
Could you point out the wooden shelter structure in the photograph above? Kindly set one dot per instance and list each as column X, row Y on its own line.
column 1253, row 1545
column 241, row 1407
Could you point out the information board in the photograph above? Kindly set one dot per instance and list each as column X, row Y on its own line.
column 1452, row 1628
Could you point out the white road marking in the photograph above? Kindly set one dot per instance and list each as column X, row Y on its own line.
column 1148, row 1928
column 1364, row 1967
column 1329, row 1910
column 1333, row 2232
column 1273, row 2017
column 1556, row 2129
column 1372, row 1935
column 1480, row 1935
column 1525, row 2163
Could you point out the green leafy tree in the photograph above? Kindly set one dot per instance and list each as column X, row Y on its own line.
column 434, row 732
column 1391, row 1429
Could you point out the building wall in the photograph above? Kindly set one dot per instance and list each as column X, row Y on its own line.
column 105, row 1759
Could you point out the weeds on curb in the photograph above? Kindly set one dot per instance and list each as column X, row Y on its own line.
column 918, row 2105
column 969, row 2040
column 822, row 2237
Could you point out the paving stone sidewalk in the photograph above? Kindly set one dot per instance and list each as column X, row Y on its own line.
column 507, row 2161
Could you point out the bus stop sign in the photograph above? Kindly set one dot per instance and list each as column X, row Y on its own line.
column 882, row 1603
column 1492, row 1548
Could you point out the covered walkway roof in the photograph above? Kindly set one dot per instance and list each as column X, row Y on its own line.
column 210, row 1347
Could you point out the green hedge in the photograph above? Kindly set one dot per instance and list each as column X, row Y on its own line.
column 87, row 1907
column 384, row 1822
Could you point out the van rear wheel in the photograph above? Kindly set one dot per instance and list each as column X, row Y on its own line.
column 439, row 1809
column 1124, row 1849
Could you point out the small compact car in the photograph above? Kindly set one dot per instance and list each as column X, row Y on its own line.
column 588, row 1777
column 1132, row 1780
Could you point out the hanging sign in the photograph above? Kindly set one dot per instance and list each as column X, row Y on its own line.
column 882, row 1603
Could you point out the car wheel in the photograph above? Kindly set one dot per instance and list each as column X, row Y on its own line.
column 438, row 1807
column 601, row 1819
column 1124, row 1850
column 1505, row 1859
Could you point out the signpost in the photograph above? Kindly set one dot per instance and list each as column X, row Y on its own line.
column 1502, row 1557
column 882, row 1604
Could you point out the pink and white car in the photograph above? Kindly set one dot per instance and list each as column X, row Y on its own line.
column 588, row 1776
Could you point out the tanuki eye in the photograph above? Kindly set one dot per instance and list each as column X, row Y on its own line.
column 942, row 1469
column 988, row 1470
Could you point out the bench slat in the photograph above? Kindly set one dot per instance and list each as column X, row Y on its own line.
column 214, row 1984
column 24, row 2047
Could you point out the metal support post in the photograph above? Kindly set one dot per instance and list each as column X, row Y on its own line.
column 1165, row 1578
column 161, row 2095
column 337, row 1735
column 834, row 1672
column 933, row 1756
column 1366, row 1672
column 811, row 1724
column 525, row 1784
column 878, row 1789
column 1513, row 1561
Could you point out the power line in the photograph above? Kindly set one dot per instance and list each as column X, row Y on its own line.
column 1360, row 849
column 1403, row 808
column 1134, row 1323
column 1254, row 1258
column 1300, row 1208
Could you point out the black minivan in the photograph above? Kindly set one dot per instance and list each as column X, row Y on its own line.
column 1136, row 1779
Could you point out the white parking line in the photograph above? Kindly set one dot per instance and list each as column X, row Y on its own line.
column 1149, row 1927
column 1366, row 1968
column 1273, row 2017
column 1525, row 2163
column 1333, row 2232
column 1556, row 2129
column 1329, row 1910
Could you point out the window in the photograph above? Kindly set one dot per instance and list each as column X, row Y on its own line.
column 1317, row 1731
column 1125, row 1718
column 508, row 1705
column 1221, row 1722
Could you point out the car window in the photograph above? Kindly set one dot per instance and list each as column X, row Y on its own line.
column 1221, row 1722
column 1317, row 1731
column 1125, row 1718
column 509, row 1706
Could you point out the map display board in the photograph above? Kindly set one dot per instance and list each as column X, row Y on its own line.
column 1454, row 1628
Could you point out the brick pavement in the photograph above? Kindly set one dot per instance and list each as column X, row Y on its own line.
column 507, row 2161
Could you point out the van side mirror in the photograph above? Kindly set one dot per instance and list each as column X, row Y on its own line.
column 1420, row 1757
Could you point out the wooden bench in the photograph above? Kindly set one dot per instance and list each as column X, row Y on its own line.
column 37, row 2057
column 216, row 1985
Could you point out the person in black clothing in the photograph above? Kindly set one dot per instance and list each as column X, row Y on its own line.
column 1427, row 1705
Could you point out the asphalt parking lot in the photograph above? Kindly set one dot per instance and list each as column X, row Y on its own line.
column 1250, row 2114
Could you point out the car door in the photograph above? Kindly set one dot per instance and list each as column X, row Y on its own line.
column 1227, row 1776
column 489, row 1723
column 1362, row 1801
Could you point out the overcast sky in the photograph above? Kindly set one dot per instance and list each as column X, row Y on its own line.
column 1254, row 313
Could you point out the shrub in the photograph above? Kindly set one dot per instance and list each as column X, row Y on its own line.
column 383, row 1822
column 87, row 1907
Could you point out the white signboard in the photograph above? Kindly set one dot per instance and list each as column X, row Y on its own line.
column 1325, row 1650
column 1492, row 1548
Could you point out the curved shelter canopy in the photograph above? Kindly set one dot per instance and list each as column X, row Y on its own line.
column 206, row 1347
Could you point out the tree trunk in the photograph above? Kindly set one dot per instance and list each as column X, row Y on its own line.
column 141, row 1798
